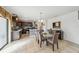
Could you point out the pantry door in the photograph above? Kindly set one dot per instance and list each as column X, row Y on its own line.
column 3, row 32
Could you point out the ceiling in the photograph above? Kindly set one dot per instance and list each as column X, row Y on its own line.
column 33, row 12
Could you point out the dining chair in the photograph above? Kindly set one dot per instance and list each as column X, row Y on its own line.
column 53, row 40
column 37, row 36
column 42, row 38
column 50, row 31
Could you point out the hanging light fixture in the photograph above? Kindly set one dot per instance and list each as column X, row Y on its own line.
column 41, row 19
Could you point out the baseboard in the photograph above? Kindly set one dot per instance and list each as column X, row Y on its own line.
column 72, row 43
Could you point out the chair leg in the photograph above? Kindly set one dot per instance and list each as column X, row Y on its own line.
column 40, row 43
column 53, row 47
column 46, row 43
column 57, row 46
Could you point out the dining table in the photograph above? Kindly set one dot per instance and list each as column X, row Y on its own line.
column 47, row 35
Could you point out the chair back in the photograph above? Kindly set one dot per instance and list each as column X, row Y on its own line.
column 50, row 31
column 55, row 37
column 40, row 33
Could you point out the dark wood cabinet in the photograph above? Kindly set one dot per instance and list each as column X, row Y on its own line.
column 14, row 20
column 60, row 34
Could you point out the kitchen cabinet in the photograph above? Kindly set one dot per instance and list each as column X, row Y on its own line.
column 61, row 37
column 16, row 34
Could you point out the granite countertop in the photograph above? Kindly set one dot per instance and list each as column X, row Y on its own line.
column 26, row 27
column 16, row 29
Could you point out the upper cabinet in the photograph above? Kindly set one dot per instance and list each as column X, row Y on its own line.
column 14, row 19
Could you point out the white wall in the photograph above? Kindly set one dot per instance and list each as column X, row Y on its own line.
column 70, row 26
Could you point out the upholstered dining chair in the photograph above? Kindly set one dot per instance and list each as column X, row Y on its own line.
column 53, row 40
column 37, row 35
column 42, row 38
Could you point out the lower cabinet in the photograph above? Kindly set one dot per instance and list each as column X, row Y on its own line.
column 16, row 35
column 61, row 37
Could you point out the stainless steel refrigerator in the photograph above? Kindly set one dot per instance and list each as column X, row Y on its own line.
column 3, row 32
